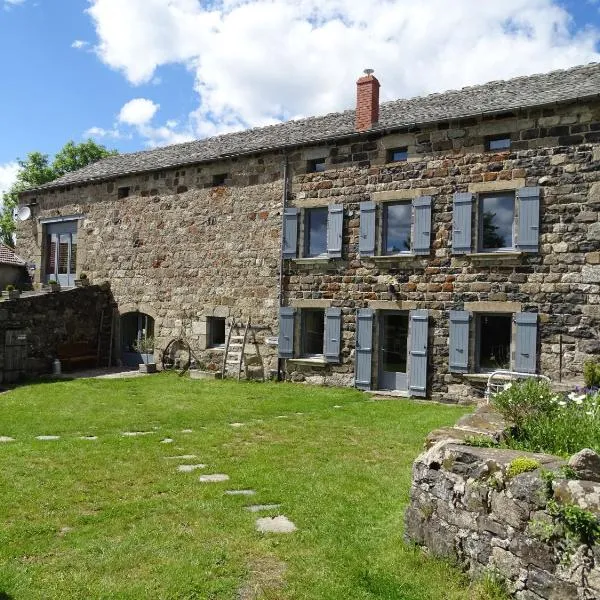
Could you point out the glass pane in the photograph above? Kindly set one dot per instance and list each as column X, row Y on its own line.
column 313, row 328
column 316, row 232
column 494, row 342
column 399, row 155
column 51, row 240
column 73, row 264
column 397, row 228
column 497, row 218
column 63, row 253
column 395, row 336
column 500, row 144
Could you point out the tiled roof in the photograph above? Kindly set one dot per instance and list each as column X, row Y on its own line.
column 8, row 257
column 496, row 96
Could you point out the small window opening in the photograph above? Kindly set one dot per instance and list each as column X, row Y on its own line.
column 219, row 179
column 315, row 232
column 398, row 155
column 313, row 330
column 216, row 332
column 499, row 142
column 494, row 335
column 315, row 166
column 496, row 222
column 122, row 192
column 397, row 222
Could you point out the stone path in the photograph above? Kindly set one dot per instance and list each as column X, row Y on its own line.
column 181, row 457
column 47, row 438
column 279, row 524
column 190, row 468
column 167, row 441
column 89, row 437
column 260, row 507
column 4, row 439
column 240, row 492
column 236, row 424
column 214, row 478
column 136, row 433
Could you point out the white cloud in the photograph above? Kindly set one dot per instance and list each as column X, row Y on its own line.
column 8, row 175
column 100, row 132
column 260, row 61
column 8, row 4
column 79, row 44
column 138, row 111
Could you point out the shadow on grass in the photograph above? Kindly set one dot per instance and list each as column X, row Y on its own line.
column 5, row 596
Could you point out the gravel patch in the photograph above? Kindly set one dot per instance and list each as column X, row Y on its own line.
column 279, row 524
column 214, row 478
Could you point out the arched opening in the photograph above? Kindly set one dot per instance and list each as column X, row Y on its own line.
column 137, row 339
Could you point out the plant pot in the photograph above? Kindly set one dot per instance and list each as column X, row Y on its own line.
column 11, row 294
column 54, row 287
column 198, row 374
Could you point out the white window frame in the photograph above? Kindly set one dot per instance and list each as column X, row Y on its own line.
column 382, row 237
column 479, row 221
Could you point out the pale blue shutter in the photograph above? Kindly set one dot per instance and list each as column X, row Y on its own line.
column 333, row 334
column 286, row 332
column 526, row 344
column 417, row 375
column 458, row 360
column 422, row 210
column 335, row 223
column 529, row 219
column 290, row 233
column 364, row 348
column 366, row 243
column 461, row 223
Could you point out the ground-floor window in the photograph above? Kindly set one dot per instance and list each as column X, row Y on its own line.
column 493, row 342
column 312, row 332
column 216, row 331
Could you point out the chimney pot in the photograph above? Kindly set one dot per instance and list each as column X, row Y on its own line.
column 367, row 101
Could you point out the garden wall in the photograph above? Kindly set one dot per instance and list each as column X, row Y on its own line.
column 465, row 505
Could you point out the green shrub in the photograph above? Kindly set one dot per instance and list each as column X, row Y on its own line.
column 591, row 373
column 521, row 464
column 10, row 288
column 580, row 523
column 480, row 441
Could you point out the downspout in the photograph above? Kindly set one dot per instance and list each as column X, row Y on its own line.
column 285, row 193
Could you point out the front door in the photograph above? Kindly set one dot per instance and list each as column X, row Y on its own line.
column 393, row 352
column 61, row 252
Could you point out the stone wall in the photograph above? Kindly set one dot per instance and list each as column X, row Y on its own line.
column 464, row 505
column 46, row 321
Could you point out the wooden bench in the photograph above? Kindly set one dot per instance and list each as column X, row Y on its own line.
column 77, row 354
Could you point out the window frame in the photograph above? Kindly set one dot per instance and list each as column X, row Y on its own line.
column 316, row 165
column 383, row 224
column 302, row 333
column 489, row 140
column 307, row 230
column 210, row 332
column 399, row 150
column 479, row 248
column 219, row 179
column 476, row 341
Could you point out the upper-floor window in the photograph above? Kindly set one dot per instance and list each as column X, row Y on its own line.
column 397, row 155
column 122, row 192
column 496, row 222
column 219, row 179
column 498, row 142
column 315, row 232
column 316, row 165
column 397, row 224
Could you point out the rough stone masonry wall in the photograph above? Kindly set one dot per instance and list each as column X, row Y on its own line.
column 464, row 506
column 49, row 320
column 561, row 282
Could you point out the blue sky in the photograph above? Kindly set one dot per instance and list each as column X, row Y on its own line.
column 151, row 72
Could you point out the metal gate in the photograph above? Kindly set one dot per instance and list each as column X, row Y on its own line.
column 15, row 354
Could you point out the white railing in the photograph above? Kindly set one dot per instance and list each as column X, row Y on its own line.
column 507, row 376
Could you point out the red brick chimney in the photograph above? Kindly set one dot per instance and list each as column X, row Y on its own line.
column 367, row 101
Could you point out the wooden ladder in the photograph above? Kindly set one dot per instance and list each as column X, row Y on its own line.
column 234, row 349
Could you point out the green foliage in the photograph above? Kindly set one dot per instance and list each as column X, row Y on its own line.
column 480, row 441
column 548, row 478
column 579, row 523
column 37, row 169
column 591, row 373
column 83, row 276
column 490, row 587
column 568, row 472
column 521, row 464
column 10, row 288
column 52, row 282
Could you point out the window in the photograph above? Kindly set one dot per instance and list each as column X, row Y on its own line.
column 397, row 220
column 312, row 333
column 122, row 192
column 496, row 222
column 493, row 342
column 397, row 155
column 219, row 179
column 497, row 143
column 316, row 165
column 315, row 232
column 216, row 332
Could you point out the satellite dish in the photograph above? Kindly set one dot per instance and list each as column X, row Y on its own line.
column 23, row 213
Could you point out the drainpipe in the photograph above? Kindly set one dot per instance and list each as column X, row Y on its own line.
column 281, row 241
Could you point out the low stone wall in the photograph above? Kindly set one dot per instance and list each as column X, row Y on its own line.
column 33, row 327
column 465, row 505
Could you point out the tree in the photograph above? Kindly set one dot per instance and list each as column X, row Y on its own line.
column 37, row 170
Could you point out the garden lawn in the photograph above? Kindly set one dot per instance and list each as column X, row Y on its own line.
column 113, row 517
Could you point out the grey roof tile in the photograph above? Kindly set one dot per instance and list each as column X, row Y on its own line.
column 495, row 96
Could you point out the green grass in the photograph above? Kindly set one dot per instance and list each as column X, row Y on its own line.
column 113, row 518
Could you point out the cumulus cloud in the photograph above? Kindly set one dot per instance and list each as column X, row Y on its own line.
column 258, row 62
column 100, row 132
column 8, row 175
column 138, row 111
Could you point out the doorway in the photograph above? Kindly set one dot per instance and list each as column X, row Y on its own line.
column 393, row 351
column 137, row 339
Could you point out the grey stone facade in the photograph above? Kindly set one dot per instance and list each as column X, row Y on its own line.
column 182, row 251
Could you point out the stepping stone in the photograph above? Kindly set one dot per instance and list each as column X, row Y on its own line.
column 214, row 478
column 337, row 406
column 187, row 430
column 190, row 468
column 279, row 524
column 167, row 441
column 240, row 492
column 181, row 457
column 236, row 424
column 281, row 417
column 260, row 507
column 89, row 437
column 136, row 433
column 4, row 439
column 47, row 438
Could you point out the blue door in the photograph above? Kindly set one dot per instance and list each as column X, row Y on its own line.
column 61, row 252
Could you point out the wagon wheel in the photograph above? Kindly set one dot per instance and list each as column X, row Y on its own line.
column 177, row 356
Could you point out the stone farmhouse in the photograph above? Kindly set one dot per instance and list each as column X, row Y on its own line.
column 412, row 246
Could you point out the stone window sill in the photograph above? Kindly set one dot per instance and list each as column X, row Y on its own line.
column 312, row 261
column 308, row 362
column 495, row 257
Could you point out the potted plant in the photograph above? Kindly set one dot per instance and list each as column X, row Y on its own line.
column 11, row 292
column 83, row 280
column 144, row 346
column 54, row 285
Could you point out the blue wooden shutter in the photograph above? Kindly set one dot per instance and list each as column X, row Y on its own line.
column 364, row 348
column 417, row 375
column 286, row 332
column 290, row 233
column 461, row 223
column 458, row 361
column 333, row 334
column 422, row 210
column 529, row 219
column 526, row 344
column 366, row 243
column 335, row 223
